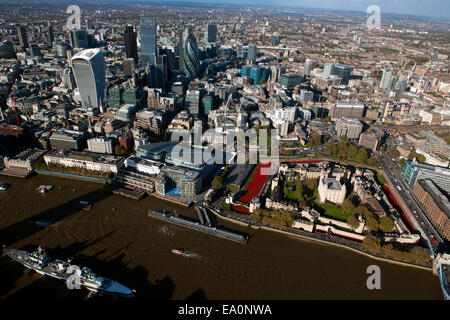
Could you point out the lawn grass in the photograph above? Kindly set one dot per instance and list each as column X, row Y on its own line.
column 381, row 179
column 333, row 212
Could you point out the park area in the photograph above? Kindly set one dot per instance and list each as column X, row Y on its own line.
column 255, row 183
column 333, row 212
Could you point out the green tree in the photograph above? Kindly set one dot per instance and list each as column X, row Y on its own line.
column 386, row 224
column 312, row 184
column 299, row 192
column 363, row 211
column 372, row 223
column 352, row 151
column 217, row 182
column 353, row 222
column 348, row 206
column 394, row 153
column 315, row 140
column 389, row 250
column 419, row 157
column 119, row 150
column 372, row 244
column 361, row 156
column 419, row 255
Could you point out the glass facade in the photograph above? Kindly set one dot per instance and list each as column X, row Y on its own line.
column 252, row 50
column 290, row 80
column 211, row 32
column 148, row 41
column 89, row 70
column 413, row 171
column 130, row 43
column 79, row 39
column 257, row 74
column 159, row 73
column 342, row 71
column 190, row 54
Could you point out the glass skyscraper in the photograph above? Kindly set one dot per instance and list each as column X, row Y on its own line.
column 79, row 39
column 252, row 50
column 159, row 73
column 211, row 32
column 89, row 70
column 386, row 79
column 190, row 54
column 22, row 36
column 343, row 71
column 148, row 41
column 130, row 43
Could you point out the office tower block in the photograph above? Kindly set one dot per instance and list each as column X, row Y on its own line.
column 7, row 50
column 181, row 48
column 252, row 50
column 148, row 41
column 343, row 71
column 307, row 66
column 192, row 103
column 79, row 39
column 351, row 128
column 159, row 73
column 241, row 52
column 89, row 70
column 62, row 48
column 386, row 78
column 211, row 32
column 327, row 70
column 35, row 51
column 130, row 43
column 50, row 35
column 402, row 82
column 22, row 36
column 275, row 41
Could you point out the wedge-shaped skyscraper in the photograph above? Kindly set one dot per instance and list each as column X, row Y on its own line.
column 89, row 70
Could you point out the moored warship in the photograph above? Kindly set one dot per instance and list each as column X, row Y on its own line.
column 40, row 262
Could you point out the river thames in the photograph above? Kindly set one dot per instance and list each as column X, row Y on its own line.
column 118, row 240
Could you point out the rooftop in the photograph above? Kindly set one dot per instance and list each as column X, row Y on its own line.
column 439, row 198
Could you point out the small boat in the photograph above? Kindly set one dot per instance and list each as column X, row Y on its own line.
column 86, row 205
column 3, row 186
column 177, row 251
column 44, row 188
column 185, row 253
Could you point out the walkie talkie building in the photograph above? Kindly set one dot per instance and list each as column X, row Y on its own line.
column 89, row 70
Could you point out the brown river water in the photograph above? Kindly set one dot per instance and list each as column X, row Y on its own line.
column 126, row 245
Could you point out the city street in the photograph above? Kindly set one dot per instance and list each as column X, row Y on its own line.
column 393, row 169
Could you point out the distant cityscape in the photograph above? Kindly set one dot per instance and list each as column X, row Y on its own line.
column 356, row 122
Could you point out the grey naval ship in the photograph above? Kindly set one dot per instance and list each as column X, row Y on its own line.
column 40, row 262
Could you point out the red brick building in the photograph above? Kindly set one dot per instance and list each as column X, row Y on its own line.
column 437, row 206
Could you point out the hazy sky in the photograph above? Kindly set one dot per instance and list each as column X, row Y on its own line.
column 434, row 8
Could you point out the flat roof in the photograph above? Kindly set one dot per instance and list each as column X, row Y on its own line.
column 439, row 198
